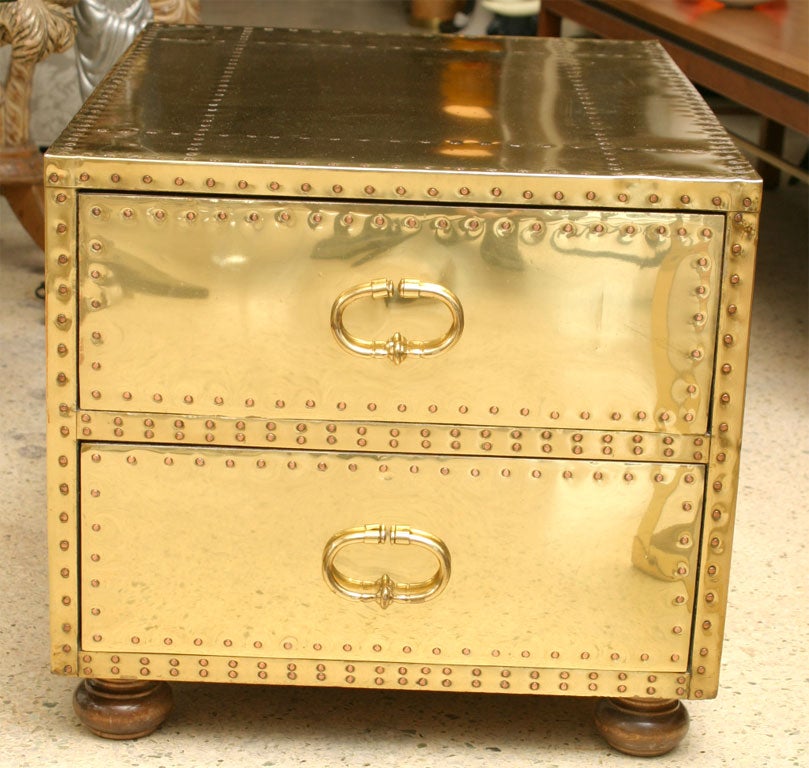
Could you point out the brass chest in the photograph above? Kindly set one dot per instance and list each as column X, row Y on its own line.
column 315, row 296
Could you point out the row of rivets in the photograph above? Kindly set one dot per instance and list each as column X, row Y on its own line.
column 406, row 649
column 661, row 416
column 420, row 677
column 399, row 190
column 453, row 439
column 337, row 188
column 62, row 505
column 727, row 416
column 473, row 224
column 505, row 472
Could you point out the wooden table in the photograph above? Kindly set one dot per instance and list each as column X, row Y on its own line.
column 757, row 57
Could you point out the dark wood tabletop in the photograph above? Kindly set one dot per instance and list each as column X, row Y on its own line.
column 767, row 43
column 756, row 55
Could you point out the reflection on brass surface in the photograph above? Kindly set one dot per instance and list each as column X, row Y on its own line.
column 397, row 347
column 571, row 318
column 576, row 451
column 562, row 530
column 546, row 108
column 386, row 590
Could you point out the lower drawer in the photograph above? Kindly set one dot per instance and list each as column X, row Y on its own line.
column 294, row 554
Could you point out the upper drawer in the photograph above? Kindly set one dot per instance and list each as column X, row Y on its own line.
column 597, row 319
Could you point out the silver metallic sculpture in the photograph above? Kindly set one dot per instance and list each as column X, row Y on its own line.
column 105, row 30
column 107, row 27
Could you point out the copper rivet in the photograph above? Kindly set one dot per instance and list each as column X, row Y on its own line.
column 559, row 195
column 179, row 181
column 53, row 178
column 747, row 202
column 84, row 176
column 591, row 195
column 496, row 191
column 464, row 190
column 274, row 185
column 61, row 228
column 337, row 189
column 736, row 249
column 685, row 199
column 400, row 190
column 432, row 191
column 242, row 184
column 653, row 198
column 622, row 197
column 369, row 190
column 147, row 179
column 528, row 194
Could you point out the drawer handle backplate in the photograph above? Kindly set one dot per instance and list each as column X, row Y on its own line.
column 397, row 347
column 386, row 590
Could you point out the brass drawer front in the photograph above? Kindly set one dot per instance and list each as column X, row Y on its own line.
column 581, row 319
column 575, row 564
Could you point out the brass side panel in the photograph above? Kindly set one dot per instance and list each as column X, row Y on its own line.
column 61, row 323
column 579, row 565
column 572, row 318
column 725, row 455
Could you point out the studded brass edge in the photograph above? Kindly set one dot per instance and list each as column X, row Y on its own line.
column 395, row 674
column 723, row 469
column 449, row 187
column 62, row 464
column 390, row 437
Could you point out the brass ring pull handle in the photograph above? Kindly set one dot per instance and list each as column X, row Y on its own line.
column 385, row 590
column 397, row 347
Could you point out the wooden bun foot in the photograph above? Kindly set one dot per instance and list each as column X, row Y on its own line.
column 122, row 709
column 642, row 727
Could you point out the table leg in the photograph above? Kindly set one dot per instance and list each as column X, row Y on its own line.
column 549, row 24
column 642, row 727
column 122, row 709
column 771, row 139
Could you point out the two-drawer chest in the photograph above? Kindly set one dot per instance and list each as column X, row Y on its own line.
column 395, row 362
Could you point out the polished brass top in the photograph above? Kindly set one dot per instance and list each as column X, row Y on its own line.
column 525, row 106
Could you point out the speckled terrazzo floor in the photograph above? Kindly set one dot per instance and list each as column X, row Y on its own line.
column 759, row 718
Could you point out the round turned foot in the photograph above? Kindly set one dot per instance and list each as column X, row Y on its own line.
column 642, row 727
column 122, row 709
